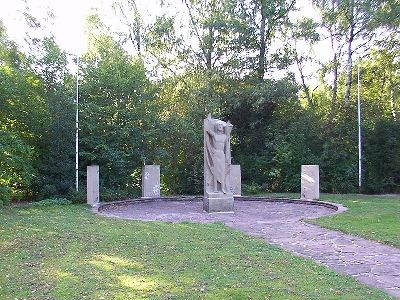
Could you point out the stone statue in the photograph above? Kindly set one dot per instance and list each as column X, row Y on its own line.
column 217, row 163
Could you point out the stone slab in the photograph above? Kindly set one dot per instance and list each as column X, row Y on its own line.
column 310, row 182
column 92, row 187
column 236, row 180
column 151, row 181
column 217, row 202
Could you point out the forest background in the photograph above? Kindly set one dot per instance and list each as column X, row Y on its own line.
column 145, row 88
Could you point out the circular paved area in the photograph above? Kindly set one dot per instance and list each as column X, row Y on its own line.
column 281, row 224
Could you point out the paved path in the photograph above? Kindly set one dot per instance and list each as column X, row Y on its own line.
column 280, row 224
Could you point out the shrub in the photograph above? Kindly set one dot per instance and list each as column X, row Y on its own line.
column 5, row 195
column 114, row 195
column 16, row 171
column 77, row 197
column 53, row 201
column 252, row 189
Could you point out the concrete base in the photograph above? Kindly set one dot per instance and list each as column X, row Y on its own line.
column 218, row 202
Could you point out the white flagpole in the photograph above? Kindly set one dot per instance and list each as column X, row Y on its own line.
column 359, row 127
column 77, row 127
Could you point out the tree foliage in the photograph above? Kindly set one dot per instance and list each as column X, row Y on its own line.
column 146, row 105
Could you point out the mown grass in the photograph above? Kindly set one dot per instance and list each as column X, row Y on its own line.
column 67, row 252
column 370, row 216
column 375, row 217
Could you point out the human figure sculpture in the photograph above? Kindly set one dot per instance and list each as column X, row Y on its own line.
column 218, row 153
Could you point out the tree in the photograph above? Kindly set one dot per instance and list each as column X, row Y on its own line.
column 56, row 159
column 258, row 23
column 20, row 115
column 353, row 24
column 302, row 33
column 118, row 117
column 132, row 19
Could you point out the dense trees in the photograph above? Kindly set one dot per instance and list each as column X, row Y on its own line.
column 234, row 60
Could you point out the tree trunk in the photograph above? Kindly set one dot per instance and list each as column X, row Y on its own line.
column 349, row 56
column 303, row 83
column 210, row 47
column 334, row 87
column 261, row 59
column 392, row 96
column 135, row 34
column 393, row 104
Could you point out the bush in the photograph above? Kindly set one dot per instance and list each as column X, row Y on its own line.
column 114, row 195
column 5, row 195
column 53, row 201
column 252, row 189
column 16, row 171
column 77, row 197
column 382, row 158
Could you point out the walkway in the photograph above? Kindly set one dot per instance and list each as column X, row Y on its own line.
column 281, row 224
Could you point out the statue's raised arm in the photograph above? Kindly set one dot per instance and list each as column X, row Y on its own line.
column 209, row 124
column 228, row 128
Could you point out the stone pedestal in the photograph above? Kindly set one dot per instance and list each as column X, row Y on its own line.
column 236, row 180
column 92, row 181
column 151, row 181
column 218, row 202
column 310, row 182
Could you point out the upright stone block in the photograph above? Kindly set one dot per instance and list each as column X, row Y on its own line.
column 236, row 180
column 92, row 181
column 217, row 166
column 151, row 181
column 310, row 182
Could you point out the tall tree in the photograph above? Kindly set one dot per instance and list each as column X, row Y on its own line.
column 301, row 38
column 56, row 162
column 260, row 20
column 131, row 18
column 353, row 24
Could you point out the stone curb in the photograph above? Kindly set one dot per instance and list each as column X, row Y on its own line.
column 338, row 208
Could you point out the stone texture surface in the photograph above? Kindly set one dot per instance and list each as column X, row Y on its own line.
column 310, row 182
column 217, row 165
column 218, row 203
column 281, row 224
column 236, row 180
column 151, row 181
column 92, row 185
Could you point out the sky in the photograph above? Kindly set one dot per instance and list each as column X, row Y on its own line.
column 70, row 17
column 68, row 25
column 69, row 22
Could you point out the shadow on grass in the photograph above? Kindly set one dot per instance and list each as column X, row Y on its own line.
column 77, row 255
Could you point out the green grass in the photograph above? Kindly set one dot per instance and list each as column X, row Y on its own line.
column 370, row 216
column 66, row 252
column 375, row 217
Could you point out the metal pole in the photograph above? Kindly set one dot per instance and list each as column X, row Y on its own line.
column 359, row 127
column 77, row 127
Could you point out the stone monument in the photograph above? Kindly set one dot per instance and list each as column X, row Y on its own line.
column 92, row 185
column 310, row 182
column 236, row 180
column 151, row 181
column 217, row 166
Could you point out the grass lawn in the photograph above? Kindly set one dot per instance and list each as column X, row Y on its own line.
column 67, row 252
column 370, row 216
column 375, row 217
